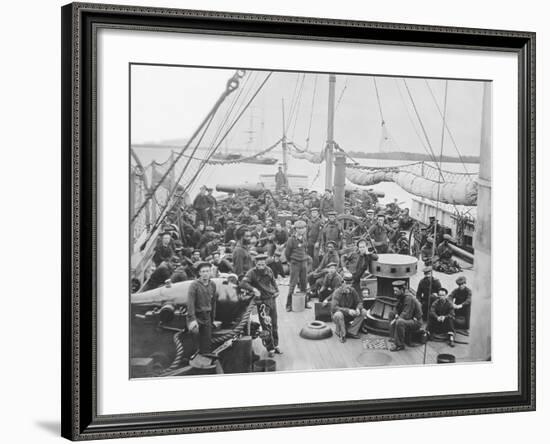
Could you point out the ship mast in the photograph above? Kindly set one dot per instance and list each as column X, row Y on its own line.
column 480, row 337
column 329, row 153
column 285, row 152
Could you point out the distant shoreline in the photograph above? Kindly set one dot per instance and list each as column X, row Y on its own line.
column 416, row 157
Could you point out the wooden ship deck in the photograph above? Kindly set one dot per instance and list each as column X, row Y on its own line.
column 369, row 351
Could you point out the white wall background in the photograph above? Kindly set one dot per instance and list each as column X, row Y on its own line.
column 30, row 222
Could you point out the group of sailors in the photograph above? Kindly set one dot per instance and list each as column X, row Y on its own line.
column 263, row 237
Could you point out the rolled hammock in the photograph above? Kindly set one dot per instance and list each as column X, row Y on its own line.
column 457, row 193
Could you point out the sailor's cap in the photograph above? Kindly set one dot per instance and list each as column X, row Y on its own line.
column 261, row 257
column 399, row 283
column 461, row 280
column 427, row 269
column 348, row 277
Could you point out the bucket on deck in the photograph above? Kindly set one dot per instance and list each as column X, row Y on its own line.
column 265, row 365
column 445, row 358
column 298, row 301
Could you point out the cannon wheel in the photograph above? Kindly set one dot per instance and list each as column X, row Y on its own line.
column 348, row 224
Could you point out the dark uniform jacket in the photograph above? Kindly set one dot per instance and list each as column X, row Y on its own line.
column 327, row 204
column 464, row 298
column 409, row 308
column 331, row 282
column 314, row 230
column 362, row 265
column 423, row 290
column 332, row 232
column 162, row 253
column 262, row 280
column 280, row 237
column 201, row 202
column 380, row 234
column 327, row 259
column 345, row 299
column 442, row 307
column 159, row 276
column 223, row 266
column 296, row 249
column 242, row 261
column 201, row 301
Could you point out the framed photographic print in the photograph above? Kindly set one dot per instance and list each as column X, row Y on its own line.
column 277, row 221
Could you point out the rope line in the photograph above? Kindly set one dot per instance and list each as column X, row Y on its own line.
column 446, row 126
column 232, row 85
column 420, row 121
column 437, row 206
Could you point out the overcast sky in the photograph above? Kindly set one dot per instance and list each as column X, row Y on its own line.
column 168, row 103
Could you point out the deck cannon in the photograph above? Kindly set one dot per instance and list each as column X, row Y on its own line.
column 160, row 343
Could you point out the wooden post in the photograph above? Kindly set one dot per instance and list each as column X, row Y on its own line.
column 480, row 320
column 329, row 157
column 339, row 182
column 285, row 152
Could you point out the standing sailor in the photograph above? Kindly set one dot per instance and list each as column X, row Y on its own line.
column 331, row 232
column 314, row 235
column 327, row 202
column 201, row 204
column 296, row 255
column 281, row 181
column 427, row 286
column 201, row 308
column 380, row 234
column 242, row 261
column 261, row 282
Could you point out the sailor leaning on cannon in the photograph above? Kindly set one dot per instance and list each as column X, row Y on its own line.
column 201, row 307
column 261, row 281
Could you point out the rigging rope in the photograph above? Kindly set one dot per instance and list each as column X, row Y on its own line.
column 446, row 126
column 410, row 117
column 311, row 114
column 420, row 121
column 342, row 94
column 203, row 164
column 232, row 85
column 437, row 202
column 379, row 102
column 297, row 107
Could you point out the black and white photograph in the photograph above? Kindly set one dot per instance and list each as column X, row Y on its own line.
column 299, row 221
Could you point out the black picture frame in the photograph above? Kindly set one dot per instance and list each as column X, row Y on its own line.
column 80, row 420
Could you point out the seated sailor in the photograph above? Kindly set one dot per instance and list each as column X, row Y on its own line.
column 442, row 316
column 347, row 310
column 461, row 297
column 407, row 316
column 331, row 282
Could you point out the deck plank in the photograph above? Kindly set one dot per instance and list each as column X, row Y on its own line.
column 302, row 354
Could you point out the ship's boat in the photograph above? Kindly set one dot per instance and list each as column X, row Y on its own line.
column 262, row 160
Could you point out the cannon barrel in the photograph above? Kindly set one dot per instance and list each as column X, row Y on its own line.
column 254, row 189
column 177, row 293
